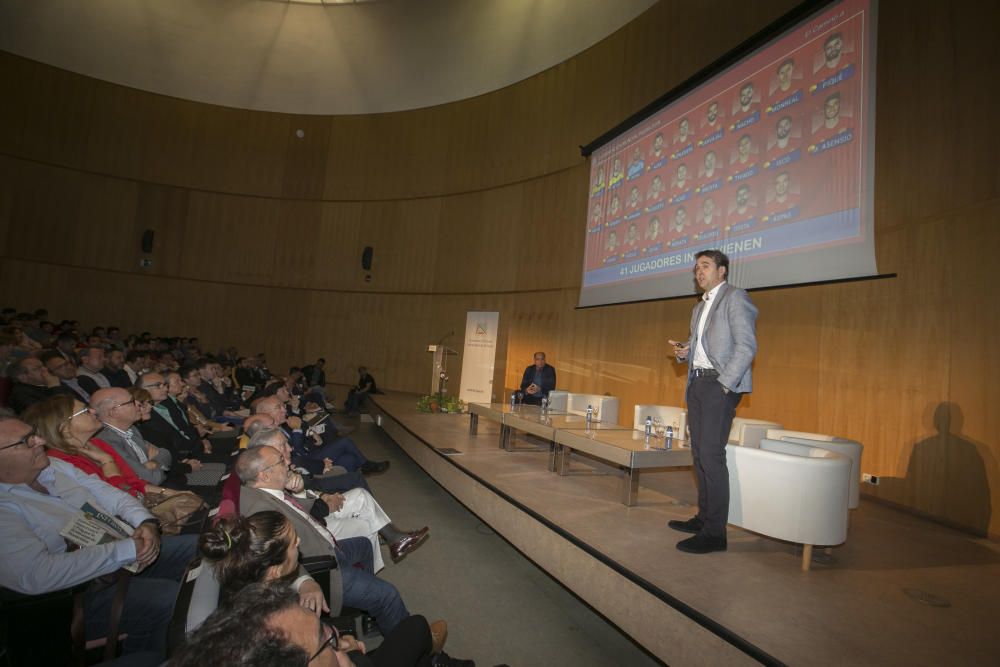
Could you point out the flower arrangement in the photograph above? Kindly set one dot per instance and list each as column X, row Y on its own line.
column 440, row 403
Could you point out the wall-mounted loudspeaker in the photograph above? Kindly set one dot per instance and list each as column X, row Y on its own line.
column 147, row 241
column 366, row 258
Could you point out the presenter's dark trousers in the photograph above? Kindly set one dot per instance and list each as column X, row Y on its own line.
column 710, row 416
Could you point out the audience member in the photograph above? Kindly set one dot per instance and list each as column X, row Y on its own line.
column 65, row 370
column 356, row 397
column 31, row 383
column 264, row 626
column 353, row 583
column 114, row 369
column 119, row 413
column 39, row 497
column 91, row 364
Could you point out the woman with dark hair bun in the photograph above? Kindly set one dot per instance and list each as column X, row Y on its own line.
column 248, row 550
column 264, row 547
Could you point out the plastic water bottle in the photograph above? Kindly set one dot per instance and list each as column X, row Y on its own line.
column 545, row 403
column 668, row 441
column 513, row 400
column 649, row 426
column 590, row 413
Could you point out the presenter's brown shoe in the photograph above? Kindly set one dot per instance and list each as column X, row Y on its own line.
column 702, row 544
column 692, row 525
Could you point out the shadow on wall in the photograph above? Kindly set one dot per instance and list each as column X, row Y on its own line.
column 946, row 476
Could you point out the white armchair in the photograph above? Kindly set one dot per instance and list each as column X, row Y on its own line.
column 558, row 400
column 669, row 415
column 576, row 404
column 852, row 449
column 790, row 491
column 749, row 432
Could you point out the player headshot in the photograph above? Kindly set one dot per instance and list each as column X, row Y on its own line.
column 708, row 168
column 599, row 179
column 612, row 241
column 708, row 211
column 633, row 198
column 785, row 75
column 832, row 48
column 743, row 149
column 680, row 219
column 712, row 114
column 636, row 158
column 655, row 188
column 653, row 231
column 657, row 145
column 617, row 171
column 746, row 96
column 681, row 177
column 632, row 235
column 831, row 111
column 616, row 207
column 684, row 131
column 596, row 214
column 743, row 199
column 783, row 131
column 781, row 183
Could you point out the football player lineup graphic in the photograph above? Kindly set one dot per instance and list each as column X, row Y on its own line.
column 749, row 157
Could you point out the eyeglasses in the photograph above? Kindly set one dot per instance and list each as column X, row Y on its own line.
column 25, row 441
column 121, row 405
column 76, row 414
column 333, row 640
column 155, row 384
column 276, row 463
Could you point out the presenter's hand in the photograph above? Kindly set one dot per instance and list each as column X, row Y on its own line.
column 532, row 389
column 680, row 349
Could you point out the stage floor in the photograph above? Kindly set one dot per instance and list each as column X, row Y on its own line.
column 901, row 590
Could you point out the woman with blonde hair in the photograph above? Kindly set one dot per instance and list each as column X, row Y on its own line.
column 68, row 427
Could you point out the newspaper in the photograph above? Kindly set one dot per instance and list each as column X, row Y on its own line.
column 93, row 526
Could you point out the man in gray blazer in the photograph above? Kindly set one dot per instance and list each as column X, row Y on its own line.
column 720, row 350
column 118, row 412
column 352, row 582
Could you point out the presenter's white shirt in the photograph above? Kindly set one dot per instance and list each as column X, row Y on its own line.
column 700, row 359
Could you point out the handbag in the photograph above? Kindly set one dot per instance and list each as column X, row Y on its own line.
column 175, row 511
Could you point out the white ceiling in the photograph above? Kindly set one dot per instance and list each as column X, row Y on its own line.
column 275, row 55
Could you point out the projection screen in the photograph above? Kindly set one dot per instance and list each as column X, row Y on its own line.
column 767, row 155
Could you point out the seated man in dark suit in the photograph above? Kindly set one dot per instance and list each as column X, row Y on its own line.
column 352, row 582
column 31, row 383
column 538, row 380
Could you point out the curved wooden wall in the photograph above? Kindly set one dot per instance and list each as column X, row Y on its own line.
column 478, row 205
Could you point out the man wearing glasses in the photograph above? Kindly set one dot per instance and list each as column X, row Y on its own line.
column 39, row 497
column 118, row 412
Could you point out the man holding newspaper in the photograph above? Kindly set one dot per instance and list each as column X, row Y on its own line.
column 46, row 505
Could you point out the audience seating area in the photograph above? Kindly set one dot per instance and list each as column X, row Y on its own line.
column 206, row 408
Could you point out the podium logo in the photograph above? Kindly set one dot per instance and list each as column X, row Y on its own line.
column 480, row 329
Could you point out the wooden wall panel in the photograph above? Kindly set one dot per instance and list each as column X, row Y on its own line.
column 476, row 205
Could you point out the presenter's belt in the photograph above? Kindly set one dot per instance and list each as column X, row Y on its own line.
column 704, row 373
